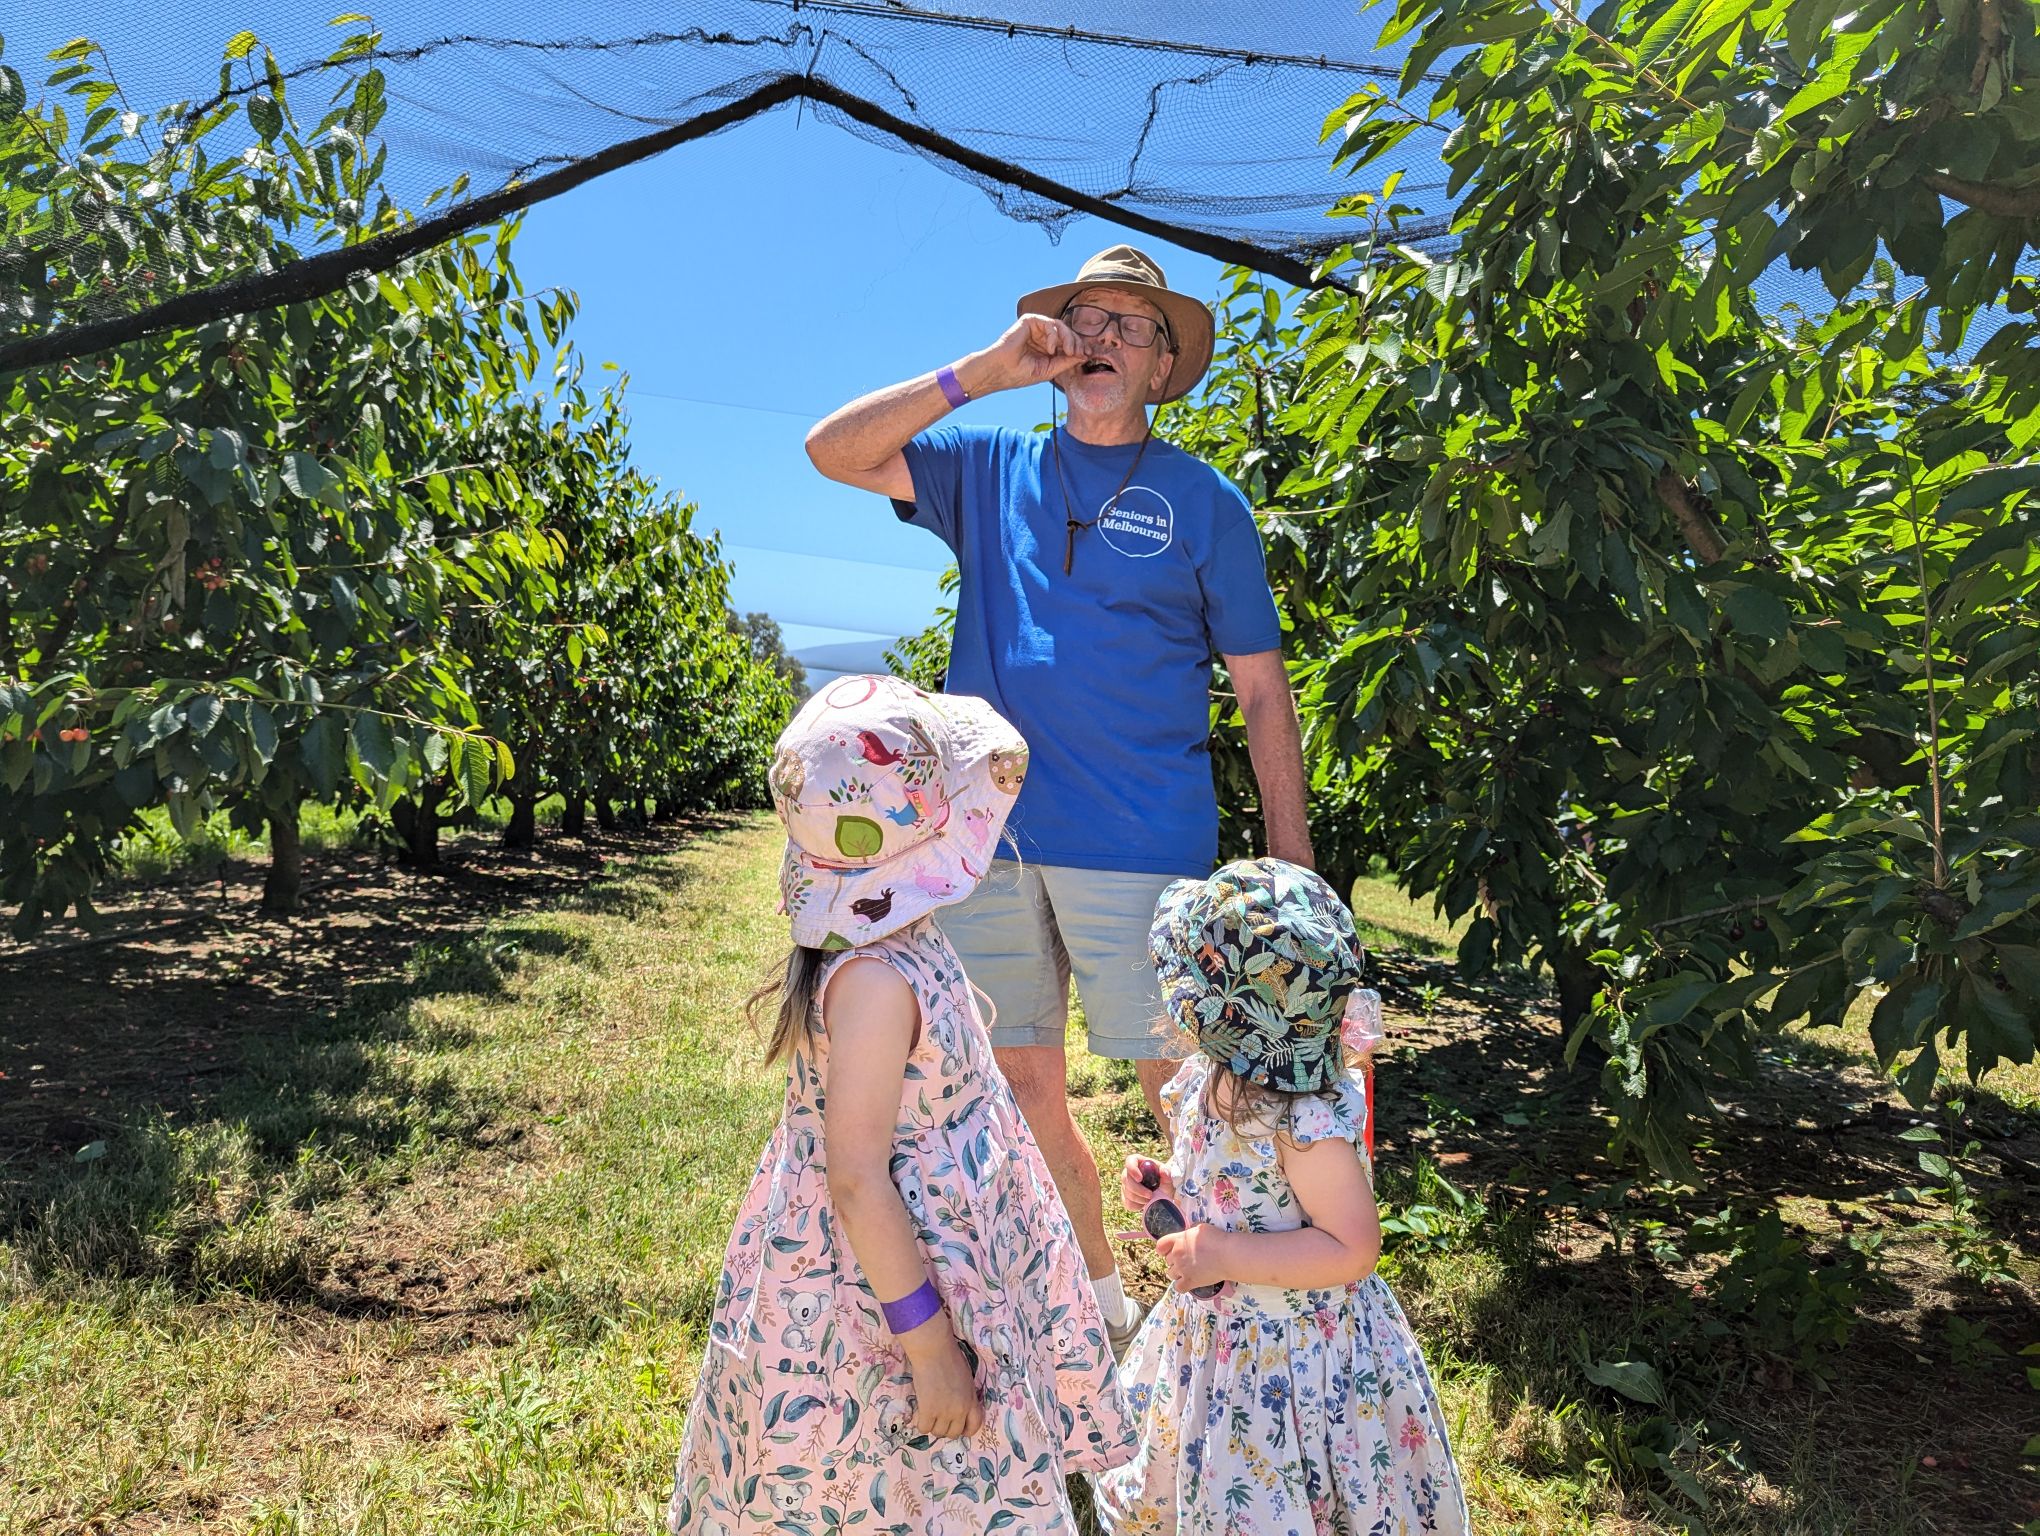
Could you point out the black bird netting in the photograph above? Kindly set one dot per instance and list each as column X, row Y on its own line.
column 1197, row 124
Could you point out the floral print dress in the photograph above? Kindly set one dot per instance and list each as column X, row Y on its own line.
column 1274, row 1412
column 801, row 1421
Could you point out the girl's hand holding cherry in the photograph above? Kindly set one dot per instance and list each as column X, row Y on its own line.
column 1143, row 1180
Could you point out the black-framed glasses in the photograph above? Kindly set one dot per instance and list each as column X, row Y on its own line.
column 1135, row 330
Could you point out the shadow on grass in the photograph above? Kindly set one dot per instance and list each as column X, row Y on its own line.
column 1568, row 1261
column 1378, row 935
column 188, row 1110
column 1782, row 1446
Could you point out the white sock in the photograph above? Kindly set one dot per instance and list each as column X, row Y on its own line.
column 1111, row 1298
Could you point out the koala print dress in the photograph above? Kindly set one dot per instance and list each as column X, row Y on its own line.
column 800, row 1424
column 1275, row 1412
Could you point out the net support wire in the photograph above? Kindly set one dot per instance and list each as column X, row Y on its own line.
column 312, row 277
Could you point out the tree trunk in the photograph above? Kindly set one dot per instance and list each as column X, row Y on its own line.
column 521, row 835
column 283, row 885
column 574, row 819
column 417, row 822
column 605, row 811
column 1578, row 981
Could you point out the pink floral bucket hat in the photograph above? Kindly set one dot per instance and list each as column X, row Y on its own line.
column 893, row 800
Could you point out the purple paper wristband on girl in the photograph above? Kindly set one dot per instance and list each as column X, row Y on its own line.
column 912, row 1309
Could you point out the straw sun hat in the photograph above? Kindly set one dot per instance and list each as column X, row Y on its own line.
column 1133, row 271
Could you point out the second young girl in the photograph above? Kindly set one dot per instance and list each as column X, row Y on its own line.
column 905, row 1328
column 1295, row 1401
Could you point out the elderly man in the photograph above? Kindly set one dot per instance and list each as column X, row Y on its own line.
column 1101, row 571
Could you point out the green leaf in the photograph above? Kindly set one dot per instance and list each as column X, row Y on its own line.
column 308, row 478
column 203, row 713
column 262, row 733
column 373, row 745
column 1902, row 1017
column 2021, row 965
column 1636, row 1380
column 265, row 116
column 1989, row 488
column 1753, row 611
column 240, row 45
column 346, row 605
column 1995, row 910
column 1665, row 31
column 1476, row 946
column 185, row 815
column 474, row 771
column 13, row 93
column 1696, row 131
column 1685, row 606
column 1672, row 1000
column 1835, row 75
column 1917, row 1078
column 324, row 753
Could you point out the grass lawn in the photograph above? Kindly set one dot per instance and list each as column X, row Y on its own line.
column 406, row 1217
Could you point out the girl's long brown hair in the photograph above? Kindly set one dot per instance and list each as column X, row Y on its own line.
column 1247, row 1106
column 796, row 989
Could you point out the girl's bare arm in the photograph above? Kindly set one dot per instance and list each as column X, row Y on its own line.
column 1341, row 1245
column 873, row 1021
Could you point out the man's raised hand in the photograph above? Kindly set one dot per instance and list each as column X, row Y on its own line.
column 1033, row 349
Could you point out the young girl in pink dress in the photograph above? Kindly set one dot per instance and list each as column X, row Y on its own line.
column 905, row 1338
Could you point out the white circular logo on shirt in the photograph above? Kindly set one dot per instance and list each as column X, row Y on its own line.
column 1140, row 524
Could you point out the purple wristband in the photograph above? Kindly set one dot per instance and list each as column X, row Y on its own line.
column 912, row 1309
column 952, row 390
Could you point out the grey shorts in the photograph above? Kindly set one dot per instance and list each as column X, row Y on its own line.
column 1029, row 928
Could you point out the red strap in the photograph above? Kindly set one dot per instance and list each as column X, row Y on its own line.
column 1367, row 1135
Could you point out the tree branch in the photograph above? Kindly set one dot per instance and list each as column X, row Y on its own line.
column 1750, row 904
column 1990, row 36
column 1987, row 197
column 67, row 621
column 1702, row 537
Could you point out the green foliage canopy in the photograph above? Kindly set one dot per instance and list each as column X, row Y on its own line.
column 352, row 547
column 1687, row 650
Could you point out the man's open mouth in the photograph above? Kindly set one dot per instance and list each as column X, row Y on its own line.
column 1098, row 365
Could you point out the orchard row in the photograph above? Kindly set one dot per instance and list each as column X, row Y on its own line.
column 386, row 544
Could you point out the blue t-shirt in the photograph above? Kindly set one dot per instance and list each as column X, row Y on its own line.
column 1106, row 671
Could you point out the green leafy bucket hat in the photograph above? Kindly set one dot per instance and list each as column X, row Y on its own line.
column 1258, row 963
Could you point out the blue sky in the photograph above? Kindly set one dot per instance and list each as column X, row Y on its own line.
column 748, row 283
column 778, row 270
